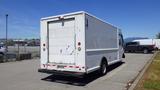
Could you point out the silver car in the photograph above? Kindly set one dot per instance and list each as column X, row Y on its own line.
column 2, row 50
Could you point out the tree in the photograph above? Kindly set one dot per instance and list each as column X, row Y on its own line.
column 158, row 36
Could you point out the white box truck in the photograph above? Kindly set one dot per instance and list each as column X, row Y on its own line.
column 78, row 43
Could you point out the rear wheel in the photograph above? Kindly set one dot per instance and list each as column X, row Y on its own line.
column 145, row 51
column 123, row 56
column 1, row 53
column 156, row 48
column 103, row 68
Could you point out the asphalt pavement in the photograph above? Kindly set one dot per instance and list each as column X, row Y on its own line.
column 23, row 75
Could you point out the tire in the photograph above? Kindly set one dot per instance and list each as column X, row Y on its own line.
column 123, row 56
column 103, row 68
column 1, row 53
column 129, row 51
column 156, row 49
column 145, row 51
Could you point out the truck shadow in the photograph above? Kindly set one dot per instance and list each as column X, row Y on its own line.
column 79, row 81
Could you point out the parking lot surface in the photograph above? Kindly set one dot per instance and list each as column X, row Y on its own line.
column 23, row 75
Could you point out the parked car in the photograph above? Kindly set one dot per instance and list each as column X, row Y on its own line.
column 136, row 46
column 2, row 50
column 78, row 44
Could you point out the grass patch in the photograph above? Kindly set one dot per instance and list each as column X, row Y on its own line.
column 157, row 57
column 151, row 78
column 152, row 85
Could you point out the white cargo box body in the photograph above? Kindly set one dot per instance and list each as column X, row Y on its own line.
column 145, row 41
column 77, row 42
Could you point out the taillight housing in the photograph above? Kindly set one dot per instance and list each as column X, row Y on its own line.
column 79, row 43
column 44, row 44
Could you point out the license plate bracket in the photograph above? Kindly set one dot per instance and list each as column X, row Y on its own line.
column 60, row 66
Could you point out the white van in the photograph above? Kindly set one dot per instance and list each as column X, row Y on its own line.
column 78, row 43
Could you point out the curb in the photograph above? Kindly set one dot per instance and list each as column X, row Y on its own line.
column 141, row 72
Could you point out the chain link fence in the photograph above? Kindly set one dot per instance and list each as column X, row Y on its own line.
column 17, row 52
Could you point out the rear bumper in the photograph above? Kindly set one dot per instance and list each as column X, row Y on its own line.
column 63, row 73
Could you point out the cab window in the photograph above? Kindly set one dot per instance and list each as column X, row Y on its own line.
column 121, row 41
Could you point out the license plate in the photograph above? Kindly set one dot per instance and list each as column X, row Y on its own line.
column 60, row 66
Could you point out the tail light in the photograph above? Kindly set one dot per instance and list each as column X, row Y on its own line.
column 79, row 43
column 44, row 44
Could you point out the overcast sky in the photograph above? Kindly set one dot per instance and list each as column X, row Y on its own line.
column 136, row 18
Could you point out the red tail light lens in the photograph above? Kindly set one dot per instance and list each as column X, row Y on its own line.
column 44, row 44
column 79, row 43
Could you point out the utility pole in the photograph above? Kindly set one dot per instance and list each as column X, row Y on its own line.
column 6, row 35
